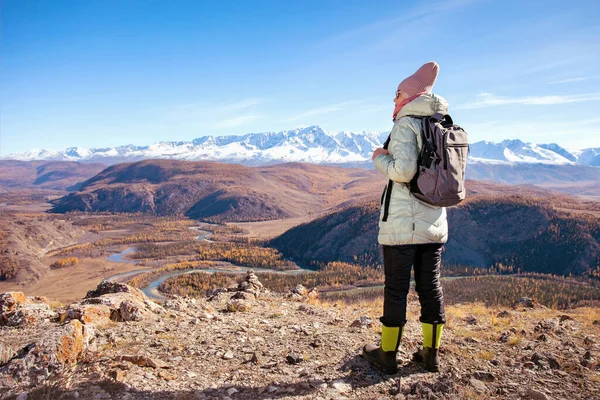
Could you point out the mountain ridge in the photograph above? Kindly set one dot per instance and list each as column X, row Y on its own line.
column 311, row 144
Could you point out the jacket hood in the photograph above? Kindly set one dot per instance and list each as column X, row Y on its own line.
column 424, row 106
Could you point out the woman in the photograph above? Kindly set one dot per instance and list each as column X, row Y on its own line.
column 414, row 232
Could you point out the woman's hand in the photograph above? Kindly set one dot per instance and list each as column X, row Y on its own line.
column 378, row 152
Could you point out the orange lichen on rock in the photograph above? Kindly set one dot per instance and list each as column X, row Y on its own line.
column 96, row 314
column 72, row 343
column 10, row 300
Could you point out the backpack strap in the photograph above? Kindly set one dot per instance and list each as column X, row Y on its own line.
column 388, row 195
column 387, row 192
column 444, row 119
column 428, row 152
column 386, row 144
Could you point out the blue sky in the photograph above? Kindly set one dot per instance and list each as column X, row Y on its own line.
column 108, row 73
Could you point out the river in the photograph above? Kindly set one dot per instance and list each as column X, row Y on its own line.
column 118, row 257
column 152, row 289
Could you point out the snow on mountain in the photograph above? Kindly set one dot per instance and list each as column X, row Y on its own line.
column 590, row 157
column 560, row 151
column 311, row 144
column 516, row 151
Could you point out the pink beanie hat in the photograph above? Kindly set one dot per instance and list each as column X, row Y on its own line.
column 421, row 81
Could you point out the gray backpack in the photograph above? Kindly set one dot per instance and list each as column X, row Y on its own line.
column 441, row 166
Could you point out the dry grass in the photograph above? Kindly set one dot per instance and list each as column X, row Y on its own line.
column 487, row 355
column 514, row 340
column 588, row 316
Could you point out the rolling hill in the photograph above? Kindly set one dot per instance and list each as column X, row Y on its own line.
column 221, row 192
column 532, row 230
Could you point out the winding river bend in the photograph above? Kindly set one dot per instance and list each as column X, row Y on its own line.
column 152, row 289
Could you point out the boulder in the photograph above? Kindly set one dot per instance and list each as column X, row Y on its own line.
column 111, row 301
column 177, row 303
column 300, row 293
column 53, row 340
column 361, row 322
column 526, row 302
column 10, row 300
column 131, row 311
column 62, row 345
column 243, row 296
column 89, row 314
column 28, row 314
column 109, row 287
column 546, row 326
column 236, row 305
column 300, row 289
column 18, row 310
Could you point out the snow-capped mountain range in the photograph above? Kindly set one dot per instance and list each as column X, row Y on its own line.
column 311, row 144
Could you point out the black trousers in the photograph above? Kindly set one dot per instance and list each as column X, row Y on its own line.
column 397, row 263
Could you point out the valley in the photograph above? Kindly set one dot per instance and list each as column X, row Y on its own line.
column 175, row 216
column 173, row 288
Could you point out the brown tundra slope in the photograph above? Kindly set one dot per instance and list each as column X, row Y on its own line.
column 221, row 192
column 57, row 175
column 528, row 228
column 25, row 239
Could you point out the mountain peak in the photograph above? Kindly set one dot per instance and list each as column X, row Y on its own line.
column 311, row 144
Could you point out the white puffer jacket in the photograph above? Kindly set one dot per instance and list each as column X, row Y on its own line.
column 410, row 221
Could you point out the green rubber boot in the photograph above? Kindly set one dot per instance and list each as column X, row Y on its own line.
column 432, row 337
column 384, row 356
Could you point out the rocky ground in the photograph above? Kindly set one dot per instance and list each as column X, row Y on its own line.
column 246, row 343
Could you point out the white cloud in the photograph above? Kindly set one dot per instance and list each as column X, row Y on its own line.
column 235, row 122
column 207, row 110
column 491, row 100
column 240, row 105
column 323, row 110
column 569, row 80
column 420, row 14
